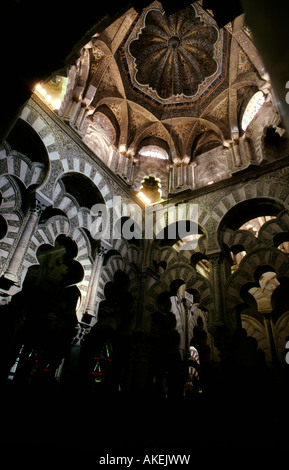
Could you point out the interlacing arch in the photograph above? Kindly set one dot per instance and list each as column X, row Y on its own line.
column 44, row 131
column 79, row 166
column 11, row 212
column 121, row 257
column 20, row 176
column 242, row 238
column 16, row 164
column 167, row 254
column 77, row 216
column 271, row 256
column 251, row 191
column 70, row 220
column 75, row 164
column 191, row 278
column 46, row 234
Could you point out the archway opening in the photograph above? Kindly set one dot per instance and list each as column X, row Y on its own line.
column 252, row 108
column 3, row 227
column 25, row 140
column 250, row 210
column 180, row 235
column 82, row 189
column 201, row 264
column 281, row 241
column 41, row 319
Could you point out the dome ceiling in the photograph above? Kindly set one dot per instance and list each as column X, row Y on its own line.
column 176, row 81
column 176, row 59
column 174, row 55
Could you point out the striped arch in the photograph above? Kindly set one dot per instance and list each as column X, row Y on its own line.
column 84, row 258
column 129, row 253
column 116, row 263
column 249, row 191
column 270, row 257
column 181, row 213
column 10, row 193
column 14, row 223
column 257, row 330
column 47, row 234
column 179, row 271
column 78, row 216
column 43, row 129
column 79, row 165
column 269, row 230
column 133, row 255
column 16, row 164
column 125, row 263
column 192, row 280
column 64, row 201
column 167, row 254
column 121, row 246
column 75, row 164
column 240, row 237
column 10, row 211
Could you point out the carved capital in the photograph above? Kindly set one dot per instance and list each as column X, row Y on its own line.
column 37, row 207
column 102, row 250
column 216, row 260
column 81, row 331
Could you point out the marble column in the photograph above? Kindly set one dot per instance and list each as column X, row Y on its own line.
column 83, row 328
column 125, row 169
column 179, row 176
column 131, row 169
column 217, row 282
column 269, row 328
column 188, row 304
column 171, row 175
column 91, row 306
column 121, row 163
column 184, row 174
column 236, row 154
column 174, row 177
column 193, row 165
column 248, row 150
column 11, row 272
column 80, row 117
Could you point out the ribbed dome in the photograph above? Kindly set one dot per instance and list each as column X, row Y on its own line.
column 174, row 54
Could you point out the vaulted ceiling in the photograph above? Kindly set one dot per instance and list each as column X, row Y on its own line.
column 41, row 41
column 179, row 78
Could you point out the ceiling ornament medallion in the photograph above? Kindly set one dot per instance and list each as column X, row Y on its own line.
column 174, row 55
